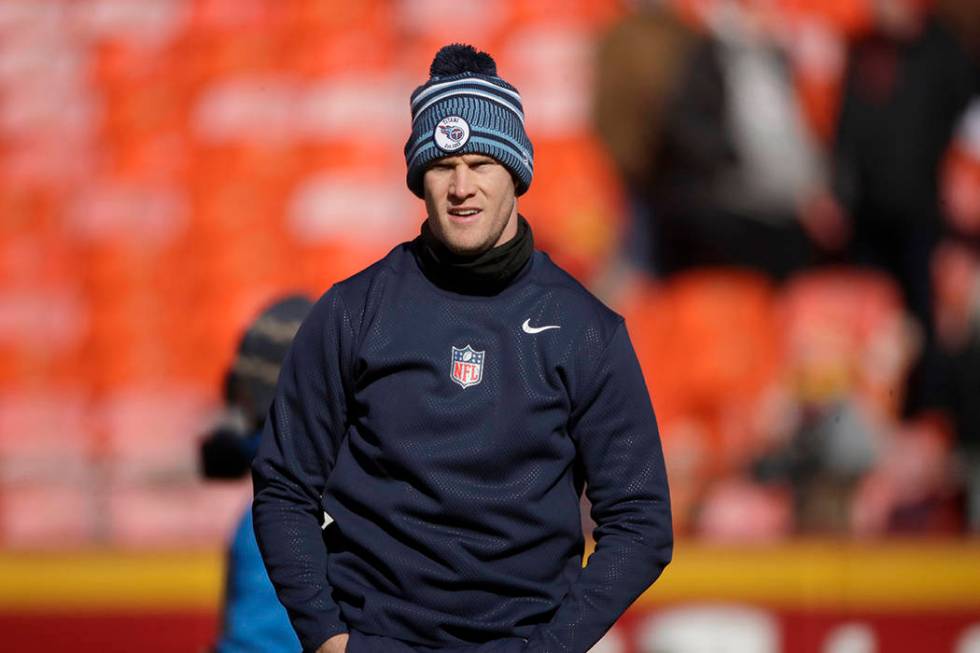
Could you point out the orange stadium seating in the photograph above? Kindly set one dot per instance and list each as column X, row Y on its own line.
column 208, row 155
column 167, row 167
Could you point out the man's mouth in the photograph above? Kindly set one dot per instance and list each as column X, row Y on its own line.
column 463, row 212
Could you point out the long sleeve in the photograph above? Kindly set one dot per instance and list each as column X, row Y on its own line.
column 619, row 450
column 306, row 423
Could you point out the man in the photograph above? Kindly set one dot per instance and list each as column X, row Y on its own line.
column 440, row 412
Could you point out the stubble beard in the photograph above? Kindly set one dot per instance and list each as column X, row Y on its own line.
column 488, row 244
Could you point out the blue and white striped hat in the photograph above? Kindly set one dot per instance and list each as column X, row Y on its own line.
column 465, row 108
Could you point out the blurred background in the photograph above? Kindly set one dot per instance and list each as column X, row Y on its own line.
column 781, row 196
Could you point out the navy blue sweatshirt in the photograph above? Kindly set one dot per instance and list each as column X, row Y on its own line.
column 419, row 477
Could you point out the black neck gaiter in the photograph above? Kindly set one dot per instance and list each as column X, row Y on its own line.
column 481, row 274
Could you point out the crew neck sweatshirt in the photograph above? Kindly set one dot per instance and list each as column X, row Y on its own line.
column 419, row 478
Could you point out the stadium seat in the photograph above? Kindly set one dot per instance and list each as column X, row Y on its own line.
column 574, row 204
column 45, row 432
column 709, row 350
column 846, row 330
column 326, row 49
column 185, row 514
column 737, row 511
column 154, row 431
column 47, row 513
column 593, row 13
column 726, row 345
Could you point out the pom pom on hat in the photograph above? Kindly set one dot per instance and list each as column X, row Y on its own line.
column 458, row 58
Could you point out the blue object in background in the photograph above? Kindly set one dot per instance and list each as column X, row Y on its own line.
column 254, row 620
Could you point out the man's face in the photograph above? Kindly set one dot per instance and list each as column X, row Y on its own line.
column 471, row 203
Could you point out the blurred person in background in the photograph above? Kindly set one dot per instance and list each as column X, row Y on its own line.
column 868, row 469
column 253, row 620
column 906, row 85
column 956, row 264
column 847, row 345
column 417, row 485
column 641, row 62
column 956, row 274
column 709, row 138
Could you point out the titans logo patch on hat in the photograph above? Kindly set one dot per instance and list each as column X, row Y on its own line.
column 451, row 133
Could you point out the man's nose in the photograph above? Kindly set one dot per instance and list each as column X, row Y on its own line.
column 461, row 184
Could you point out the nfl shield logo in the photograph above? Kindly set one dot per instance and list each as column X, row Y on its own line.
column 467, row 366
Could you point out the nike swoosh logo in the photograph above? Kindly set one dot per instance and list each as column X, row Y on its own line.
column 527, row 328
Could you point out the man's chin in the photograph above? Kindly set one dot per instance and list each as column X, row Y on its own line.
column 460, row 242
column 465, row 249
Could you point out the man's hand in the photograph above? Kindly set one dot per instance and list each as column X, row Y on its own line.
column 336, row 644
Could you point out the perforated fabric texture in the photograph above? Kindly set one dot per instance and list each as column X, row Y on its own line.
column 454, row 491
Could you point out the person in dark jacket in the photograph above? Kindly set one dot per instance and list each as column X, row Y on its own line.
column 439, row 414
column 907, row 84
column 253, row 620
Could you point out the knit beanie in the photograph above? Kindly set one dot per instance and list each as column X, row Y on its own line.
column 250, row 385
column 260, row 352
column 465, row 108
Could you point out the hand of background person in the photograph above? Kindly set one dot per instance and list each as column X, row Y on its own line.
column 825, row 221
column 336, row 644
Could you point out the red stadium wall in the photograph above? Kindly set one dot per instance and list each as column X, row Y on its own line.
column 805, row 597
